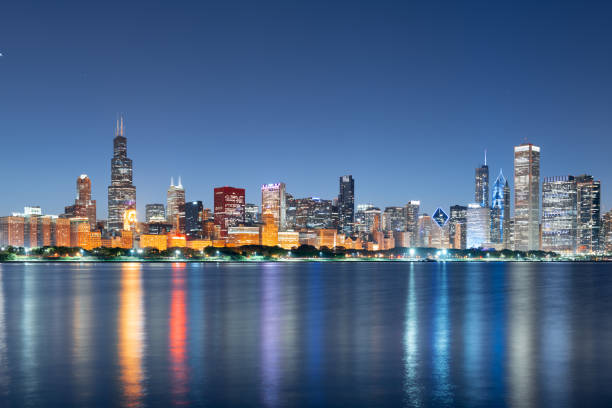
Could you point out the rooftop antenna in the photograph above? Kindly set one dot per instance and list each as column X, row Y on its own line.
column 171, row 181
column 180, row 184
column 485, row 157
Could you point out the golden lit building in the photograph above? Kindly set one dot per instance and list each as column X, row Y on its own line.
column 177, row 240
column 218, row 243
column 129, row 220
column 95, row 240
column 239, row 236
column 44, row 231
column 199, row 244
column 289, row 239
column 269, row 231
column 127, row 239
column 326, row 238
column 355, row 244
column 60, row 232
column 159, row 242
column 79, row 232
column 12, row 231
column 308, row 237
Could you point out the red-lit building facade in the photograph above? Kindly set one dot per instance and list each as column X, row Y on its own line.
column 229, row 208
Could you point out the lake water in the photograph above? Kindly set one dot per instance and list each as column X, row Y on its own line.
column 361, row 334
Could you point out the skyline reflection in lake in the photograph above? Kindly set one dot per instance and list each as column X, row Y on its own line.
column 306, row 334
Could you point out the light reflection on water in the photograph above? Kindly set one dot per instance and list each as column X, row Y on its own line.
column 306, row 334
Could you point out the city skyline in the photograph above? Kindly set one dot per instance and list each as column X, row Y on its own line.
column 355, row 90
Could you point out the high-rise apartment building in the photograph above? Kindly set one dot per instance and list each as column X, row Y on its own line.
column 498, row 212
column 588, row 213
column 273, row 200
column 175, row 205
column 346, row 204
column 194, row 219
column 121, row 192
column 507, row 235
column 481, row 195
column 478, row 225
column 457, row 225
column 12, row 230
column 229, row 208
column 526, row 197
column 412, row 219
column 559, row 211
column 155, row 213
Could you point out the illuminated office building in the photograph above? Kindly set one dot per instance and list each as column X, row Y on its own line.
column 588, row 199
column 273, row 199
column 478, row 225
column 394, row 219
column 44, row 230
column 268, row 234
column 239, row 236
column 526, row 197
column 155, row 213
column 559, row 211
column 412, row 220
column 508, row 223
column 457, row 227
column 606, row 241
column 346, row 204
column 498, row 209
column 121, row 192
column 60, row 232
column 313, row 212
column 175, row 205
column 288, row 239
column 79, row 232
column 425, row 227
column 84, row 206
column 251, row 213
column 194, row 219
column 229, row 208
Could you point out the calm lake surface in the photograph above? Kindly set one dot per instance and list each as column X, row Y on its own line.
column 306, row 334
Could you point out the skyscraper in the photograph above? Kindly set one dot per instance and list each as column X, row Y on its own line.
column 482, row 184
column 175, row 205
column 394, row 219
column 559, row 214
column 273, row 200
column 155, row 213
column 478, row 225
column 507, row 233
column 84, row 206
column 229, row 208
column 458, row 227
column 121, row 192
column 498, row 210
column 251, row 213
column 194, row 212
column 346, row 204
column 412, row 221
column 606, row 243
column 526, row 197
column 588, row 213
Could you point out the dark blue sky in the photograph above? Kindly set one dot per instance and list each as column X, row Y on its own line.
column 403, row 95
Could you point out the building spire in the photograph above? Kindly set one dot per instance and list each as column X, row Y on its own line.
column 179, row 183
column 485, row 157
column 172, row 181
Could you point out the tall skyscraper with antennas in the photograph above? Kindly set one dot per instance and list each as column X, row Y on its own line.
column 482, row 184
column 121, row 192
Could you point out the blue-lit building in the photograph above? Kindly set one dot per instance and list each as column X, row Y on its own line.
column 498, row 212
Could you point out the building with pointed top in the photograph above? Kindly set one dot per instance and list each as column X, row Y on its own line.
column 481, row 194
column 175, row 205
column 121, row 192
column 498, row 209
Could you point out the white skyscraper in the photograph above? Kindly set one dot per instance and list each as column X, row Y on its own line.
column 526, row 197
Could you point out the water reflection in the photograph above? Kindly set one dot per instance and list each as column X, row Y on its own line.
column 270, row 332
column 4, row 369
column 412, row 384
column 442, row 393
column 82, row 324
column 178, row 335
column 131, row 335
column 521, row 342
column 474, row 349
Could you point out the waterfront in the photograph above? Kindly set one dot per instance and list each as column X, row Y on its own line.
column 305, row 334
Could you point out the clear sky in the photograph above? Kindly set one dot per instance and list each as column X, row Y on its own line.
column 403, row 95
